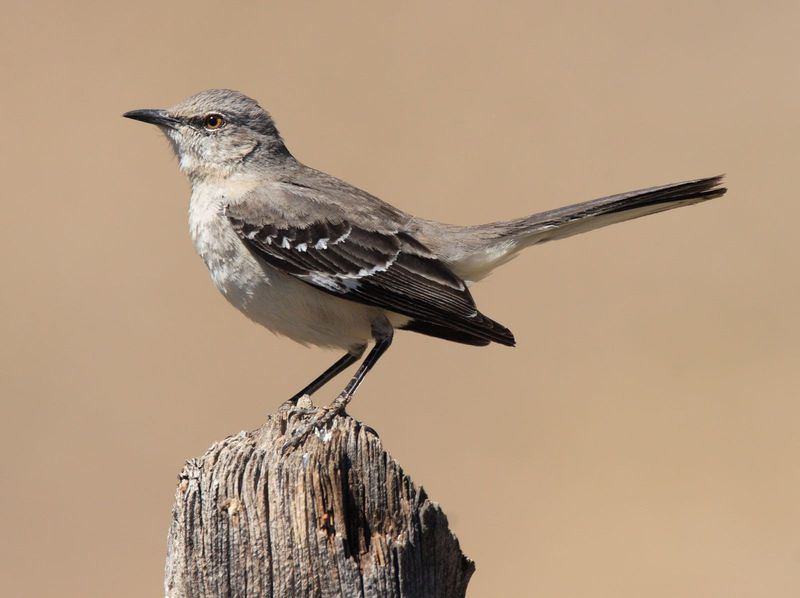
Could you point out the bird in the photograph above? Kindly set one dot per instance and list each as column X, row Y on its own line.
column 324, row 263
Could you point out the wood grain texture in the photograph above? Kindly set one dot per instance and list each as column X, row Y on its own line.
column 336, row 517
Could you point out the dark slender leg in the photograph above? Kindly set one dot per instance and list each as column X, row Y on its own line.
column 383, row 333
column 338, row 405
column 343, row 363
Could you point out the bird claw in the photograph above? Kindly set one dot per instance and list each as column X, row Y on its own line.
column 299, row 436
column 290, row 411
column 301, row 403
column 320, row 421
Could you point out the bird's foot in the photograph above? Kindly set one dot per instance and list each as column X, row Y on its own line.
column 322, row 418
column 298, row 404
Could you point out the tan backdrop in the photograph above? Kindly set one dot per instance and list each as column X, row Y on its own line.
column 641, row 440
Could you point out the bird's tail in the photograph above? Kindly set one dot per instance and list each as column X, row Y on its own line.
column 501, row 241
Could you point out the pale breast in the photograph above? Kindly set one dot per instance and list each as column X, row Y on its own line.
column 278, row 301
column 233, row 270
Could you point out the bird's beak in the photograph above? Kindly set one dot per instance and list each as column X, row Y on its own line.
column 154, row 117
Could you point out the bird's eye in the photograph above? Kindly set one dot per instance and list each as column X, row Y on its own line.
column 213, row 121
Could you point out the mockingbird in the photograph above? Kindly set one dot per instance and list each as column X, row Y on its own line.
column 325, row 263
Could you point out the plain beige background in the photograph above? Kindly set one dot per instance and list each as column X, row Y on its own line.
column 641, row 440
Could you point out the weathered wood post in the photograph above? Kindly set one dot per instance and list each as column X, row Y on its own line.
column 335, row 517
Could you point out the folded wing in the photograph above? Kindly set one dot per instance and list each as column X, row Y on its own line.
column 387, row 269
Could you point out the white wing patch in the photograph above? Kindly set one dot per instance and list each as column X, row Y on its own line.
column 323, row 281
column 375, row 269
column 343, row 238
column 346, row 282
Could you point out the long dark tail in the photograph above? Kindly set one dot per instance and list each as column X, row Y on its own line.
column 589, row 215
column 499, row 242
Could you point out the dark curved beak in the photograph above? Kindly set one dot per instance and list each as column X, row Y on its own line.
column 154, row 117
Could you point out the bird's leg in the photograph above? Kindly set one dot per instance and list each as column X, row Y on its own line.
column 343, row 363
column 339, row 404
column 383, row 332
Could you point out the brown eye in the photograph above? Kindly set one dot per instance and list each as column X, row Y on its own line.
column 213, row 121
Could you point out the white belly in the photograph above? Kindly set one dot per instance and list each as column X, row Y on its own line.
column 280, row 302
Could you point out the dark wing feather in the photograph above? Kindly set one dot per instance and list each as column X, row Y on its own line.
column 386, row 269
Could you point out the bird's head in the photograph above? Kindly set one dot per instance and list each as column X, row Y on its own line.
column 215, row 132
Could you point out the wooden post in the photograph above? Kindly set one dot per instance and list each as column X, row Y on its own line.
column 335, row 517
